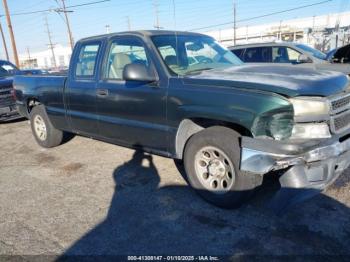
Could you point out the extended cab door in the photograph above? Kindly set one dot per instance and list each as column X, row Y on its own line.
column 80, row 92
column 257, row 55
column 131, row 113
column 285, row 55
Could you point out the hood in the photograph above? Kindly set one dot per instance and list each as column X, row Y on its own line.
column 6, row 81
column 289, row 81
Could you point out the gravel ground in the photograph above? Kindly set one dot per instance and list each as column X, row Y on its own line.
column 88, row 197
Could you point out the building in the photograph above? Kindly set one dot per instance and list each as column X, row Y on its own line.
column 44, row 59
column 323, row 32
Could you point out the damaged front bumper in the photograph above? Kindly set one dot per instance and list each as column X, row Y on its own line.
column 8, row 113
column 310, row 164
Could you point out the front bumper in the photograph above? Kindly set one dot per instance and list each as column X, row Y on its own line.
column 311, row 164
column 9, row 113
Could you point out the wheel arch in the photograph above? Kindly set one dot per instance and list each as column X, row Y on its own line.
column 190, row 126
column 31, row 102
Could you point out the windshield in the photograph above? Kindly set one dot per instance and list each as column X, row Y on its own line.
column 191, row 54
column 7, row 69
column 314, row 52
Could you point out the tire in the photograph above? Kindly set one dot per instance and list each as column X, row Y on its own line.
column 204, row 166
column 43, row 131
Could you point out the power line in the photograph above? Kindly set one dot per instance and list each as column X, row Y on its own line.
column 57, row 9
column 262, row 16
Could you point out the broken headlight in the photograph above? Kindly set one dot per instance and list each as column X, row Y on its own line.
column 280, row 126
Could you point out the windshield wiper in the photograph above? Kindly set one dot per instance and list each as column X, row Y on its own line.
column 199, row 70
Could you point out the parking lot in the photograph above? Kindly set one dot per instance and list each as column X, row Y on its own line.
column 89, row 197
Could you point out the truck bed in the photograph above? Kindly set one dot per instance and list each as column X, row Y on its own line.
column 44, row 88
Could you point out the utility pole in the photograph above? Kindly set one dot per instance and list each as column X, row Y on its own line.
column 280, row 31
column 129, row 23
column 29, row 58
column 51, row 45
column 4, row 43
column 65, row 11
column 12, row 36
column 234, row 21
column 108, row 29
column 156, row 12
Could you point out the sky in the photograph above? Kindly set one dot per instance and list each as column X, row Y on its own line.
column 30, row 31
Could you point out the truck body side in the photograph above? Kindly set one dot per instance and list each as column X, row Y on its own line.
column 292, row 119
column 163, row 113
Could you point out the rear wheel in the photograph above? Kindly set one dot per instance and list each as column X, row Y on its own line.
column 212, row 159
column 44, row 132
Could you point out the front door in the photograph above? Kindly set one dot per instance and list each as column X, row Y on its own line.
column 131, row 113
column 80, row 92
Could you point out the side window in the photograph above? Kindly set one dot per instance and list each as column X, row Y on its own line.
column 293, row 55
column 284, row 54
column 239, row 53
column 257, row 55
column 85, row 66
column 123, row 52
column 169, row 55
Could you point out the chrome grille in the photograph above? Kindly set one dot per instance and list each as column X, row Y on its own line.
column 340, row 122
column 340, row 103
column 5, row 94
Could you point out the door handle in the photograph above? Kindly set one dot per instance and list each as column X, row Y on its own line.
column 102, row 92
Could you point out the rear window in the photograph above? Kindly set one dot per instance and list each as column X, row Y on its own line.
column 239, row 53
column 257, row 55
column 86, row 64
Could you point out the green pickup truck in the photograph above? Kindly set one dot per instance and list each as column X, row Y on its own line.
column 182, row 95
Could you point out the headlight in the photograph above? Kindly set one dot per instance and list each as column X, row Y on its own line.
column 312, row 130
column 280, row 126
column 310, row 106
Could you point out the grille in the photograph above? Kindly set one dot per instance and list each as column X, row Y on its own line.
column 5, row 95
column 340, row 104
column 340, row 122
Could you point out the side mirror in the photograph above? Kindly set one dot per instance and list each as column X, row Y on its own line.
column 138, row 72
column 303, row 59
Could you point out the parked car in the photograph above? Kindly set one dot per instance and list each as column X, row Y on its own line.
column 34, row 72
column 339, row 55
column 287, row 53
column 8, row 109
column 230, row 123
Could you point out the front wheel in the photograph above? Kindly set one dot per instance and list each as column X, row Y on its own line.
column 211, row 160
column 44, row 132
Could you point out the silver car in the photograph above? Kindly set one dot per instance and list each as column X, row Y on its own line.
column 287, row 53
